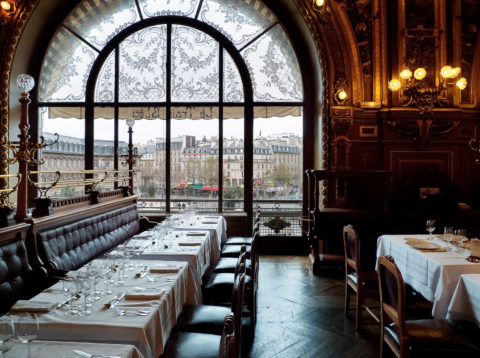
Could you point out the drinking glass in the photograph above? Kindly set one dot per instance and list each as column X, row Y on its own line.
column 7, row 334
column 27, row 329
column 93, row 272
column 70, row 291
column 86, row 289
column 430, row 228
column 460, row 235
column 448, row 232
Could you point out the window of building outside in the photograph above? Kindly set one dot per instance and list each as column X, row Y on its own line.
column 215, row 93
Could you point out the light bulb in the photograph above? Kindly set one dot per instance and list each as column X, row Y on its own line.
column 462, row 83
column 420, row 73
column 456, row 71
column 406, row 74
column 5, row 5
column 394, row 85
column 446, row 72
column 342, row 95
column 319, row 3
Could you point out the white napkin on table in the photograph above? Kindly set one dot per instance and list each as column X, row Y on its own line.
column 33, row 306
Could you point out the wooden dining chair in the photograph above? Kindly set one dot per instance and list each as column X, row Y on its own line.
column 246, row 240
column 362, row 282
column 413, row 338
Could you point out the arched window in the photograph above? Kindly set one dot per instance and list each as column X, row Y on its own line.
column 197, row 76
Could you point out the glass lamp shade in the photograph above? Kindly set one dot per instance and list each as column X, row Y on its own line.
column 130, row 122
column 25, row 83
column 342, row 95
column 5, row 5
column 420, row 73
column 446, row 72
column 462, row 83
column 319, row 3
column 456, row 71
column 406, row 74
column 394, row 85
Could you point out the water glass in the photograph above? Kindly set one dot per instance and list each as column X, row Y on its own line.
column 27, row 329
column 86, row 289
column 430, row 228
column 7, row 334
column 70, row 291
column 448, row 234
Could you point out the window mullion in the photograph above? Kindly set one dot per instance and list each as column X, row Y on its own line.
column 220, row 129
column 168, row 123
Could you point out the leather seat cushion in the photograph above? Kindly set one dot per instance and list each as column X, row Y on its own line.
column 234, row 251
column 239, row 240
column 219, row 288
column 228, row 264
column 15, row 273
column 202, row 319
column 70, row 246
column 430, row 337
column 192, row 344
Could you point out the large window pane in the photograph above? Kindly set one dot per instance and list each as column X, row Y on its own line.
column 233, row 162
column 104, row 147
column 278, row 160
column 194, row 160
column 68, row 154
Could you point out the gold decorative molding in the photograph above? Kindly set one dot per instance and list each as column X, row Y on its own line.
column 9, row 37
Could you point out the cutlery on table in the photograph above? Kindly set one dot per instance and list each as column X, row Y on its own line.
column 124, row 312
column 113, row 302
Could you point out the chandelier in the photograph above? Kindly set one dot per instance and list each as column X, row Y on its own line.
column 425, row 98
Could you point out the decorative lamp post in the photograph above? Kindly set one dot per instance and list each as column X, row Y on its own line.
column 132, row 154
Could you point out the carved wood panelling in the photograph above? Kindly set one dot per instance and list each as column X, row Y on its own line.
column 470, row 18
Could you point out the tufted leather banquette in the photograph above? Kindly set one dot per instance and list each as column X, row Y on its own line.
column 16, row 275
column 66, row 244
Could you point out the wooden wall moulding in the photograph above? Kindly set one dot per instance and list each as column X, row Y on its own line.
column 341, row 120
column 470, row 28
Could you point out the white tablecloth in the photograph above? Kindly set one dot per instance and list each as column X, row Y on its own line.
column 465, row 303
column 433, row 274
column 148, row 333
column 216, row 225
column 49, row 349
column 197, row 256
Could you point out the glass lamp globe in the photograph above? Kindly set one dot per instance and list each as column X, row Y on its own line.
column 462, row 83
column 456, row 71
column 420, row 73
column 342, row 95
column 25, row 83
column 394, row 85
column 446, row 72
column 406, row 74
column 130, row 122
column 5, row 5
column 319, row 3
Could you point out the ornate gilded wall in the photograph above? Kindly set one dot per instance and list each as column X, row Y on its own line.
column 361, row 45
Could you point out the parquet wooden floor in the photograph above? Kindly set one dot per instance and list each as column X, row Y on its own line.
column 302, row 315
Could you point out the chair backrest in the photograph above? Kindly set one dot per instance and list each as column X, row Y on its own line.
column 228, row 341
column 351, row 245
column 238, row 294
column 392, row 296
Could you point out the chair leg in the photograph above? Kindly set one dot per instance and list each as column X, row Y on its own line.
column 358, row 310
column 347, row 299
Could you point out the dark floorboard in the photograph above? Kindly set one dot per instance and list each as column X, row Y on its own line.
column 302, row 315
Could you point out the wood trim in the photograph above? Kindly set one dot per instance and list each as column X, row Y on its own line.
column 10, row 232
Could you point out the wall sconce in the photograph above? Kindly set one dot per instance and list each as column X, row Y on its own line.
column 425, row 99
column 341, row 96
column 321, row 8
column 7, row 9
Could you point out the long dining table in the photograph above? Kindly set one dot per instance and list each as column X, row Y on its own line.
column 433, row 272
column 465, row 303
column 168, row 265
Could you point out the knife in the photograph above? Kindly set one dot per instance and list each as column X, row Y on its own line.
column 117, row 301
column 87, row 355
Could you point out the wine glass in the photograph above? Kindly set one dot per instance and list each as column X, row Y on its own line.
column 448, row 232
column 27, row 329
column 7, row 334
column 93, row 272
column 430, row 228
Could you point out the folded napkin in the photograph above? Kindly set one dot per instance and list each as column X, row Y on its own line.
column 209, row 222
column 195, row 233
column 189, row 243
column 144, row 295
column 33, row 306
column 167, row 269
column 475, row 247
